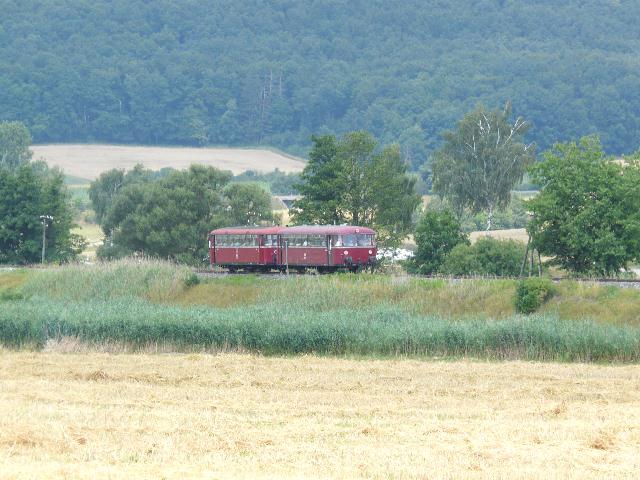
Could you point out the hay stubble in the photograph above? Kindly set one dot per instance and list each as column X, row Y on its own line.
column 234, row 415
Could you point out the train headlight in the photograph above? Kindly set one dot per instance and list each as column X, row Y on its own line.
column 346, row 252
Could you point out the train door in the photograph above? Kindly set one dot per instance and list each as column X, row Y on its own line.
column 329, row 250
column 283, row 244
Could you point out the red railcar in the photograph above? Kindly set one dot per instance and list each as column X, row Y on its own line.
column 246, row 248
column 323, row 247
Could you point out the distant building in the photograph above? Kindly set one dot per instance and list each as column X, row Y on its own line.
column 287, row 200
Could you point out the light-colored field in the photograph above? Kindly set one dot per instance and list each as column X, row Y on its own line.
column 239, row 416
column 89, row 161
column 93, row 235
column 519, row 234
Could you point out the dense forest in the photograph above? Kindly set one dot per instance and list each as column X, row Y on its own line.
column 273, row 72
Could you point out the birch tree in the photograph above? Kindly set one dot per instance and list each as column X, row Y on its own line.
column 482, row 160
column 15, row 140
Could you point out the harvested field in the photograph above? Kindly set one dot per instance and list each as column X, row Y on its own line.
column 89, row 161
column 242, row 416
column 519, row 234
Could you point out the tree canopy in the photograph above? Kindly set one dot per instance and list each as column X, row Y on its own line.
column 271, row 72
column 586, row 216
column 27, row 193
column 350, row 180
column 482, row 160
column 247, row 204
column 15, row 140
column 168, row 214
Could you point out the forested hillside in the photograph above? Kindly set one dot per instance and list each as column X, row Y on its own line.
column 273, row 72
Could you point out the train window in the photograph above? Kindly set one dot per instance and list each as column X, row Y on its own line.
column 274, row 240
column 350, row 240
column 298, row 240
column 365, row 240
column 317, row 241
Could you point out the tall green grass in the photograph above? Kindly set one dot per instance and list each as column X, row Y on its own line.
column 141, row 304
column 152, row 280
column 278, row 329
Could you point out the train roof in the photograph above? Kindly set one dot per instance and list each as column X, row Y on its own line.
column 247, row 231
column 326, row 230
column 299, row 230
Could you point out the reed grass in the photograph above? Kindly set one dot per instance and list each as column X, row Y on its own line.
column 287, row 329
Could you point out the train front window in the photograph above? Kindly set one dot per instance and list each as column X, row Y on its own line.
column 365, row 240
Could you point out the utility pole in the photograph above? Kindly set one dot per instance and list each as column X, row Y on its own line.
column 44, row 219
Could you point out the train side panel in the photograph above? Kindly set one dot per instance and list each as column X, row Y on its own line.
column 304, row 256
column 237, row 256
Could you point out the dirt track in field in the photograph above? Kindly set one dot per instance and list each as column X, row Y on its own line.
column 89, row 161
column 93, row 415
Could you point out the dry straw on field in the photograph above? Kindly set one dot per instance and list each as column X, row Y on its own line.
column 89, row 161
column 240, row 416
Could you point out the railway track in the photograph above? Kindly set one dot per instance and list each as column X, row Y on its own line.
column 623, row 283
column 619, row 282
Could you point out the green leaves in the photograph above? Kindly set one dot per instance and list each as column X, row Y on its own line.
column 586, row 215
column 348, row 180
column 170, row 216
column 247, row 204
column 27, row 193
column 437, row 233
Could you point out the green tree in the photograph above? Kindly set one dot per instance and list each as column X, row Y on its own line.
column 586, row 216
column 322, row 185
column 481, row 161
column 247, row 204
column 437, row 233
column 349, row 181
column 15, row 140
column 103, row 189
column 27, row 193
column 169, row 217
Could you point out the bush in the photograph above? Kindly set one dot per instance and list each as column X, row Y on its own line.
column 532, row 293
column 436, row 235
column 488, row 256
column 191, row 280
